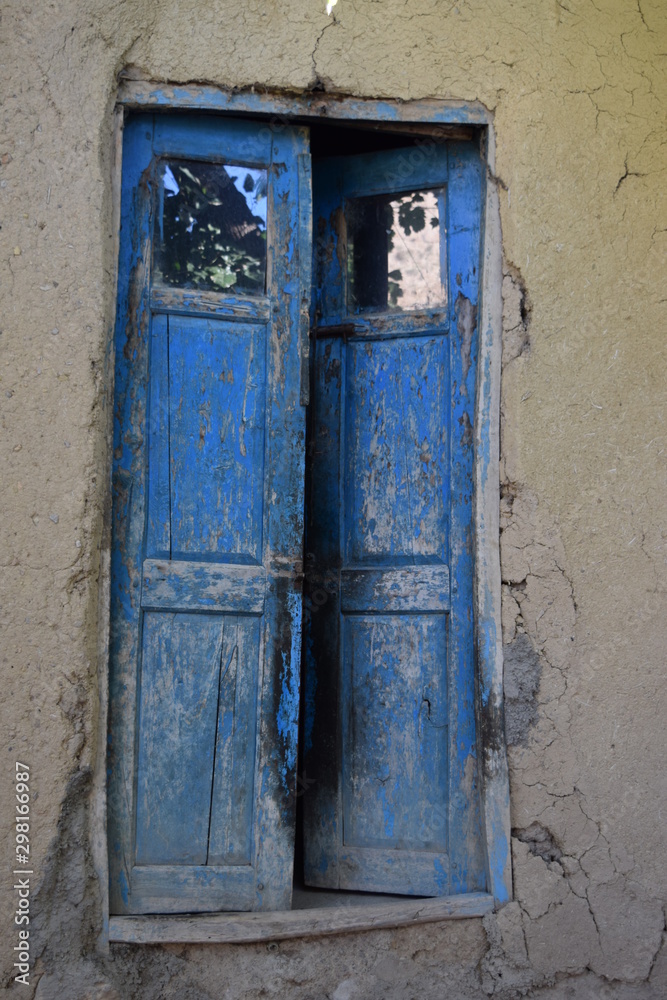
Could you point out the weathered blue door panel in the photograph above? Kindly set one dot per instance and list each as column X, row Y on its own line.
column 395, row 451
column 207, row 523
column 390, row 730
column 197, row 719
column 394, row 731
column 180, row 661
column 217, row 414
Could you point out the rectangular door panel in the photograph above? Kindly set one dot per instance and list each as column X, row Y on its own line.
column 191, row 888
column 395, row 464
column 395, row 731
column 181, row 657
column 216, row 434
column 197, row 739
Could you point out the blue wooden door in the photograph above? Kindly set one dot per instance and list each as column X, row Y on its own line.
column 207, row 515
column 390, row 750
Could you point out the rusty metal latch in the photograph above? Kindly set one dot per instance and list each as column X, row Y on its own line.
column 338, row 330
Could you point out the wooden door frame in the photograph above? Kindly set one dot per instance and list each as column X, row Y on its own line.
column 419, row 119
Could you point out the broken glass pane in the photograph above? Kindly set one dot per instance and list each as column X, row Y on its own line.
column 211, row 227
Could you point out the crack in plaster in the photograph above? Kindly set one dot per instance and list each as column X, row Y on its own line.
column 582, row 868
column 318, row 83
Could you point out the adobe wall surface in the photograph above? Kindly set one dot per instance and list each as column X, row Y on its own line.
column 579, row 94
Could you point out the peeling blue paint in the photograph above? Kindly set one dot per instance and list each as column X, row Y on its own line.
column 139, row 94
column 288, row 710
column 207, row 516
column 464, row 197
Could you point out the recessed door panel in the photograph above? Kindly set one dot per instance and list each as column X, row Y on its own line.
column 395, row 464
column 194, row 744
column 394, row 735
column 216, row 382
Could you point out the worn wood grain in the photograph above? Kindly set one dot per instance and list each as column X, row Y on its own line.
column 283, row 532
column 158, row 529
column 408, row 588
column 142, row 466
column 231, row 820
column 394, row 738
column 495, row 788
column 189, row 302
column 376, row 695
column 246, row 928
column 177, row 727
column 216, row 437
column 143, row 94
column 408, row 872
column 305, row 272
column 208, row 484
column 192, row 888
column 385, row 326
column 205, row 137
column 395, row 452
column 185, row 585
column 131, row 377
column 391, row 436
column 466, row 844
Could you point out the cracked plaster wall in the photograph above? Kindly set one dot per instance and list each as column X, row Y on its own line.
column 579, row 95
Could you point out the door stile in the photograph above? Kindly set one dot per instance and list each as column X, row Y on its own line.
column 464, row 227
column 289, row 209
column 128, row 517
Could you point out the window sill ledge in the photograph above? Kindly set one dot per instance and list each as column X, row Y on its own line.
column 245, row 928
